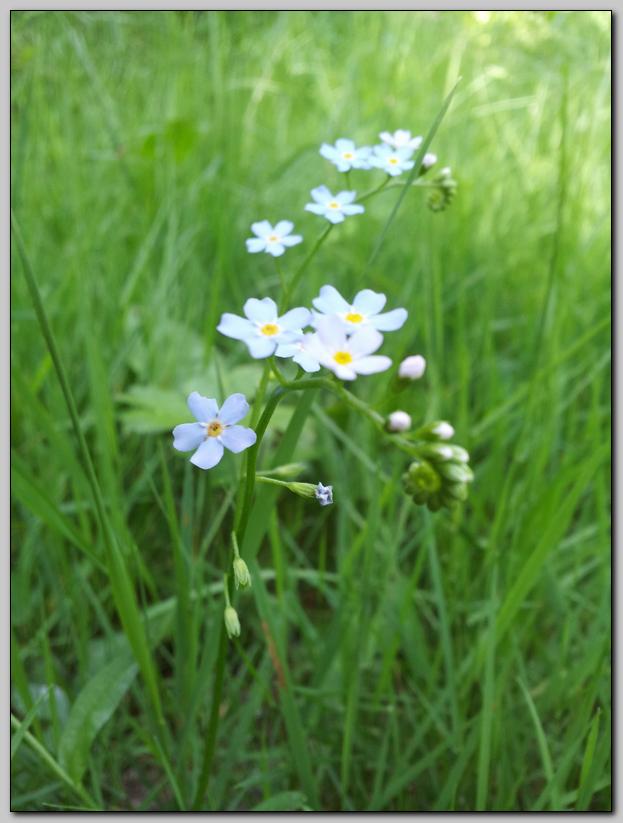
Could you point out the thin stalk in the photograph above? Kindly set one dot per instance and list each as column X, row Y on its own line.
column 296, row 279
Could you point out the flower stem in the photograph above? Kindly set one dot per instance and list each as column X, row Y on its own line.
column 296, row 279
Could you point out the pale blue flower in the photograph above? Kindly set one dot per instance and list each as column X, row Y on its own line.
column 345, row 155
column 346, row 356
column 324, row 494
column 401, row 139
column 298, row 351
column 335, row 207
column 363, row 312
column 390, row 160
column 263, row 330
column 214, row 430
column 272, row 239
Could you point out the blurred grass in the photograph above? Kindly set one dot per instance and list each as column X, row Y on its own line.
column 390, row 660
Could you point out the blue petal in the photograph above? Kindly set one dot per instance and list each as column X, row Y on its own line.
column 238, row 438
column 233, row 409
column 202, row 408
column 208, row 454
column 188, row 436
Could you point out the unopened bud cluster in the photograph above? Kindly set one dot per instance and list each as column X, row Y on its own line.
column 440, row 475
column 440, row 197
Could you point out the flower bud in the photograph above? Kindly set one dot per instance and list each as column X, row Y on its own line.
column 443, row 430
column 441, row 474
column 324, row 494
column 398, row 421
column 232, row 624
column 412, row 368
column 429, row 160
column 242, row 577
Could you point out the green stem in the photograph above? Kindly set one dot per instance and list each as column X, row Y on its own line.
column 372, row 192
column 210, row 744
column 289, row 290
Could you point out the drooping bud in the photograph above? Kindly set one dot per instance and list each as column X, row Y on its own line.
column 412, row 368
column 437, row 430
column 398, row 421
column 429, row 160
column 242, row 576
column 232, row 624
column 324, row 494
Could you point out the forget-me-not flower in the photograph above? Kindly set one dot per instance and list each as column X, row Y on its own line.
column 364, row 311
column 335, row 207
column 345, row 155
column 401, row 139
column 298, row 351
column 390, row 160
column 262, row 329
column 346, row 356
column 272, row 239
column 214, row 430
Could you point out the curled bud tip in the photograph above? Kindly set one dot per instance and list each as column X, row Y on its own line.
column 412, row 368
column 324, row 494
column 232, row 624
column 242, row 577
column 398, row 421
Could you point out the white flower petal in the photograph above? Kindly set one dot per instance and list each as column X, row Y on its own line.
column 331, row 333
column 390, row 321
column 295, row 319
column 334, row 216
column 321, row 194
column 330, row 301
column 387, row 137
column 208, row 454
column 354, row 209
column 315, row 208
column 344, row 145
column 344, row 372
column 328, row 152
column 260, row 347
column 371, row 365
column 369, row 302
column 202, row 408
column 292, row 240
column 188, row 436
column 287, row 350
column 284, row 227
column 233, row 409
column 306, row 361
column 262, row 229
column 238, row 438
column 345, row 197
column 364, row 341
column 255, row 244
column 233, row 326
column 261, row 311
column 276, row 249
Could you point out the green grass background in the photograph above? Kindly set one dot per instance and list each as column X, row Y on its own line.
column 389, row 659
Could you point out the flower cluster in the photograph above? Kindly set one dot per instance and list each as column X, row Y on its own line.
column 393, row 155
column 345, row 337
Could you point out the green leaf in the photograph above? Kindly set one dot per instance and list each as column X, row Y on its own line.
column 94, row 706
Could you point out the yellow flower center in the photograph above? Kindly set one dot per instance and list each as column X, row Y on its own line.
column 214, row 428
column 348, row 155
column 269, row 329
column 393, row 160
column 334, row 204
column 273, row 238
column 343, row 357
column 354, row 317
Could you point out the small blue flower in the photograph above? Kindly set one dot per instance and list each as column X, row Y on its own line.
column 390, row 160
column 262, row 329
column 214, row 429
column 324, row 494
column 335, row 207
column 272, row 239
column 345, row 155
column 401, row 139
column 363, row 312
